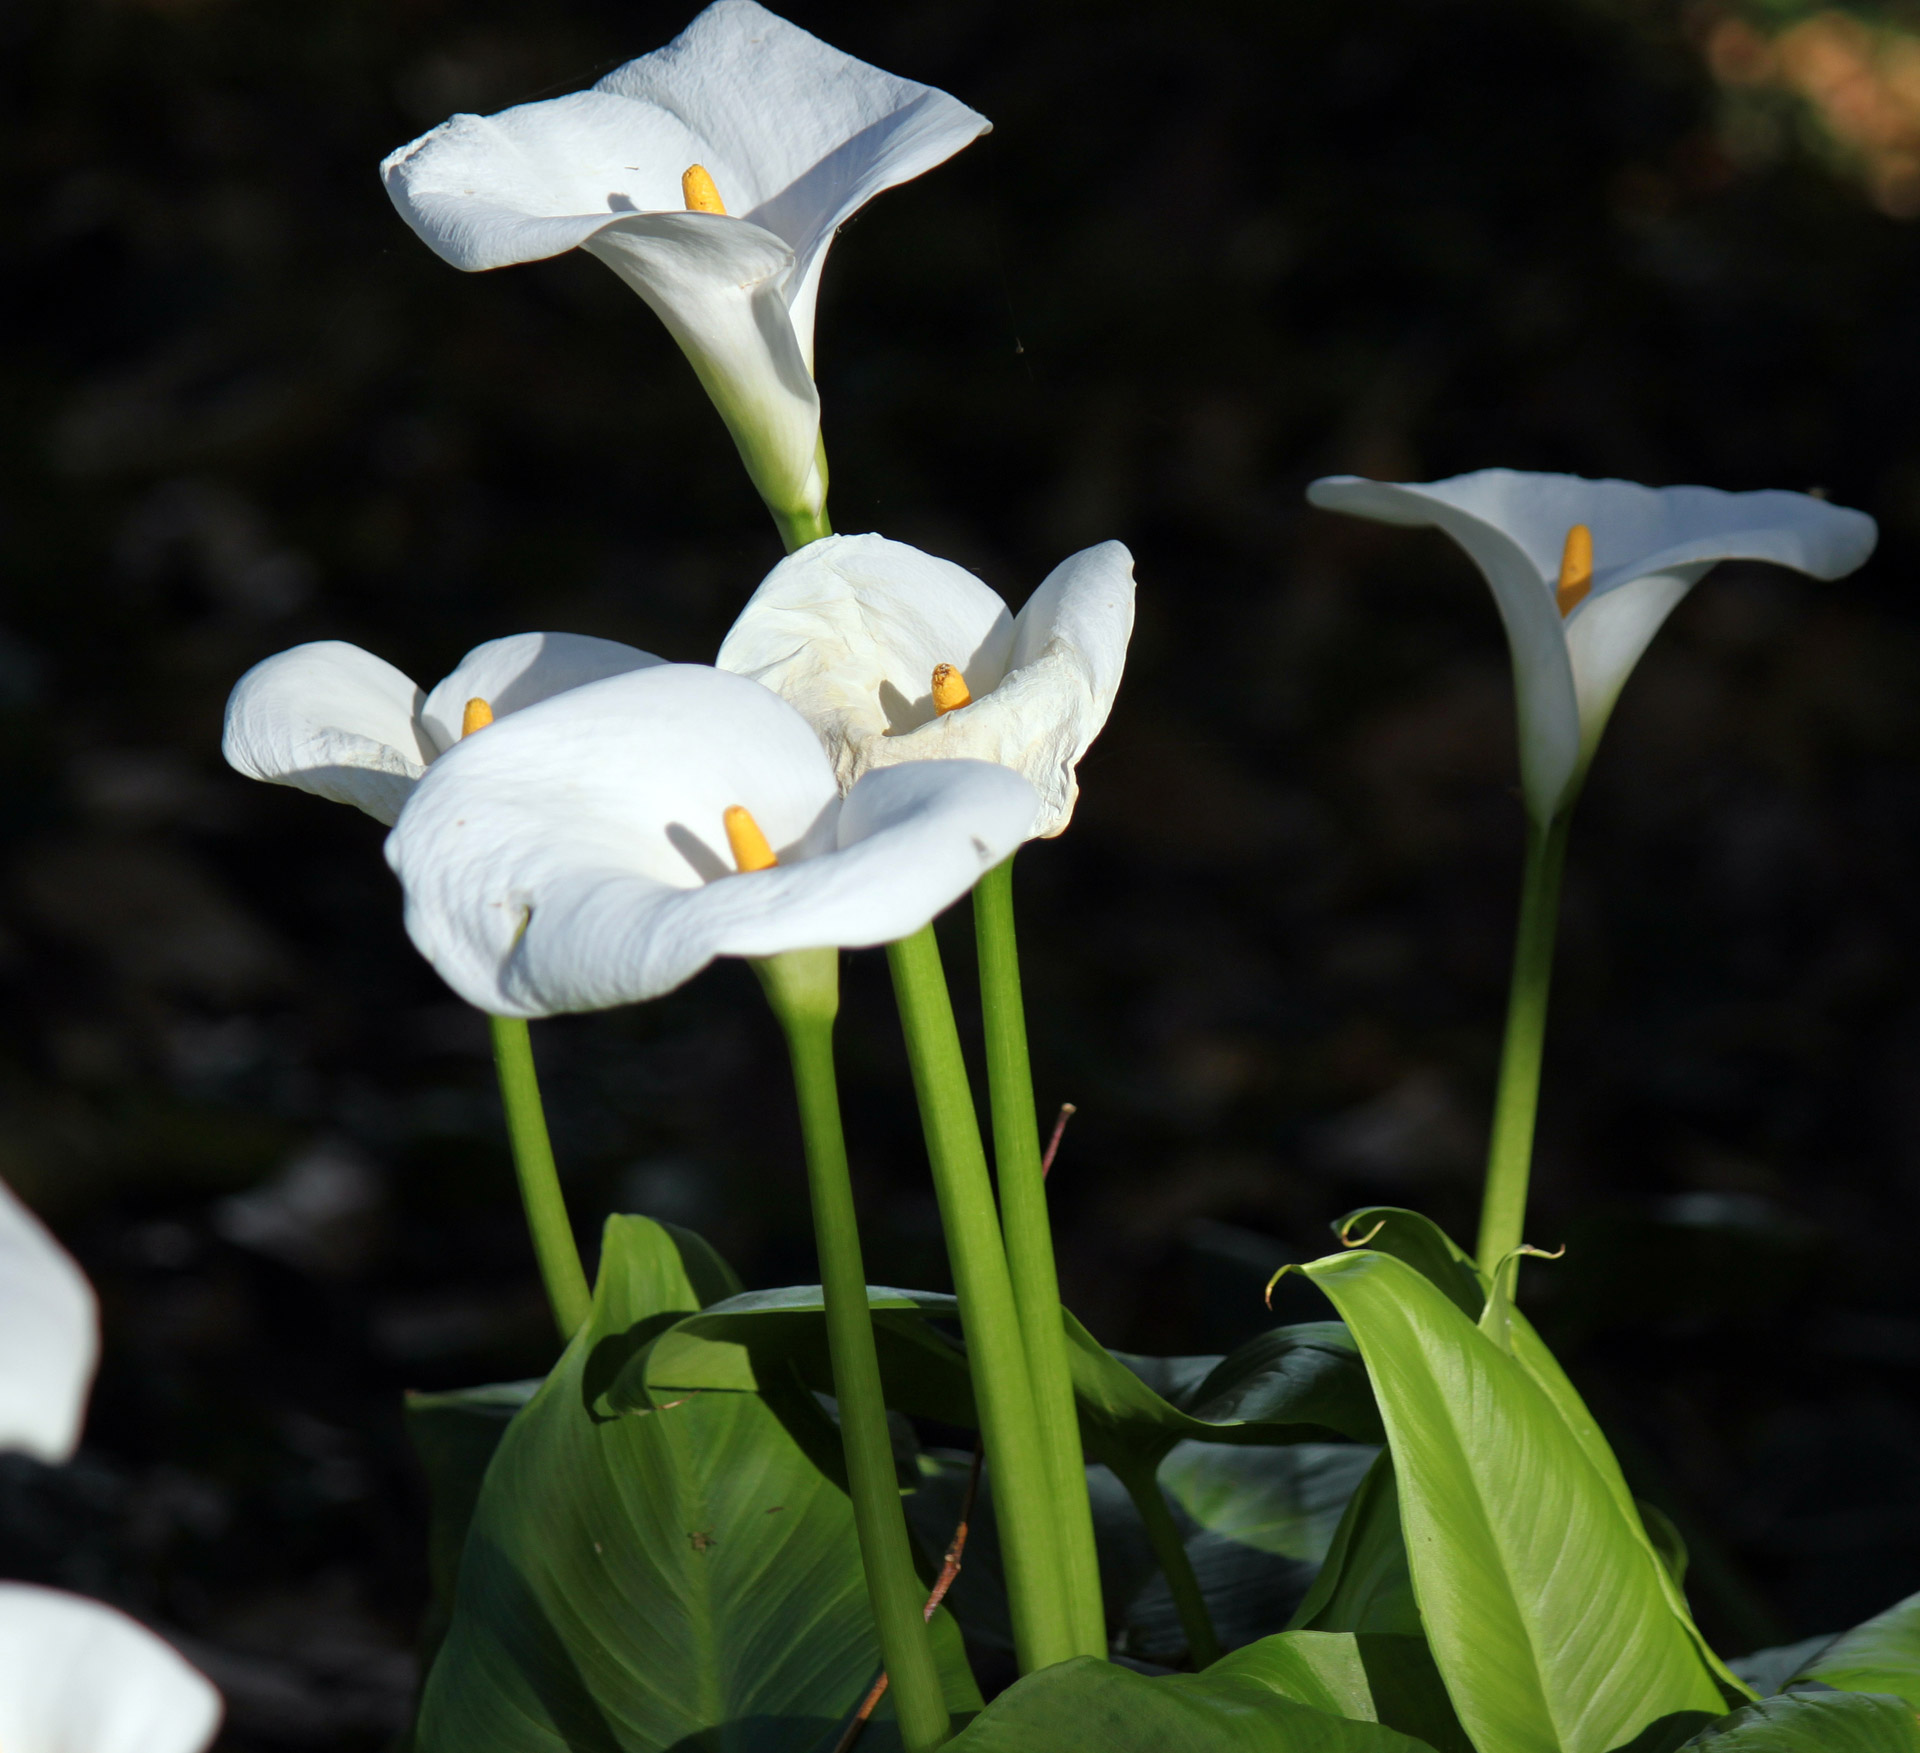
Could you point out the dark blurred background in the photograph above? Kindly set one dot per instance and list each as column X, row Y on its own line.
column 1208, row 253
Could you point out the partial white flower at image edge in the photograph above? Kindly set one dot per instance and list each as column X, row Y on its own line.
column 893, row 655
column 1585, row 572
column 604, row 846
column 711, row 176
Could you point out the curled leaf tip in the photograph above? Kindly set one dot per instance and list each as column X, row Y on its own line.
column 1349, row 1240
column 697, row 189
column 1576, row 570
column 750, row 848
column 950, row 691
column 1275, row 1279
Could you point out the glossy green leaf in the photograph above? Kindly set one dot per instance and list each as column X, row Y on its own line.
column 1547, row 1610
column 1815, row 1722
column 1883, row 1655
column 1423, row 1245
column 1099, row 1707
column 680, row 1576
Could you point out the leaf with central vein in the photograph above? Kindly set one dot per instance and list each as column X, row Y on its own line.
column 683, row 1577
column 1545, row 1605
column 1815, row 1722
column 1883, row 1655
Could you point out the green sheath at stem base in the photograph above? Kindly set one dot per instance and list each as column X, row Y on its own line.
column 1503, row 1210
column 1143, row 1486
column 1029, row 1238
column 1043, row 1627
column 533, row 1164
column 803, row 986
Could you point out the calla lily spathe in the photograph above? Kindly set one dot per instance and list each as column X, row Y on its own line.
column 79, row 1677
column 49, row 1338
column 343, row 724
column 850, row 629
column 796, row 138
column 1650, row 546
column 576, row 857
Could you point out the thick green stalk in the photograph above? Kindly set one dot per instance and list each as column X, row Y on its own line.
column 1203, row 1643
column 803, row 986
column 1029, row 1238
column 1043, row 1627
column 798, row 528
column 533, row 1164
column 1503, row 1210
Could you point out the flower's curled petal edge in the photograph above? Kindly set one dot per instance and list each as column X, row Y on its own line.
column 1548, row 705
column 519, row 671
column 1069, row 652
column 331, row 719
column 75, row 1674
column 49, row 1337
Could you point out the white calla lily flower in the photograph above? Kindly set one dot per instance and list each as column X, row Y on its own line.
column 789, row 139
column 80, row 1677
column 343, row 724
column 892, row 655
column 49, row 1341
column 604, row 846
column 1584, row 573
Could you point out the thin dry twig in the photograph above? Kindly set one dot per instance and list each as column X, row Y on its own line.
column 1067, row 1112
column 949, row 1569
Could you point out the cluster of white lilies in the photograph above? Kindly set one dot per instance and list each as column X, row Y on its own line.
column 578, row 824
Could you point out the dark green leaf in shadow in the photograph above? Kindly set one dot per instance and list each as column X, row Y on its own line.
column 1364, row 1584
column 1883, row 1655
column 1774, row 1670
column 1668, row 1547
column 1815, row 1722
column 1104, row 1708
column 1373, row 1676
column 681, row 1576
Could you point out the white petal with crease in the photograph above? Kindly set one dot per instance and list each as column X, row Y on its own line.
column 849, row 629
column 79, row 1677
column 331, row 719
column 49, row 1339
column 575, row 857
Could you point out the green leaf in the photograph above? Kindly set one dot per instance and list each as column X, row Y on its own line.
column 1423, row 1245
column 1546, row 1608
column 1365, row 1585
column 454, row 1435
column 1774, row 1670
column 1104, row 1708
column 1665, row 1539
column 1372, row 1676
column 1304, row 1383
column 1815, row 1722
column 683, row 1575
column 1883, row 1655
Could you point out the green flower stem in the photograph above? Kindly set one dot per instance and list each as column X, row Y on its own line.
column 1143, row 1486
column 533, row 1164
column 1029, row 1237
column 1503, row 1210
column 798, row 528
column 803, row 986
column 1043, row 1622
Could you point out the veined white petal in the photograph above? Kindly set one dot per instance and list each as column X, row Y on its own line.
column 331, row 719
column 518, row 671
column 1549, row 709
column 575, row 856
column 848, row 630
column 80, row 1677
column 49, row 1340
column 797, row 137
column 719, row 284
column 1069, row 649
